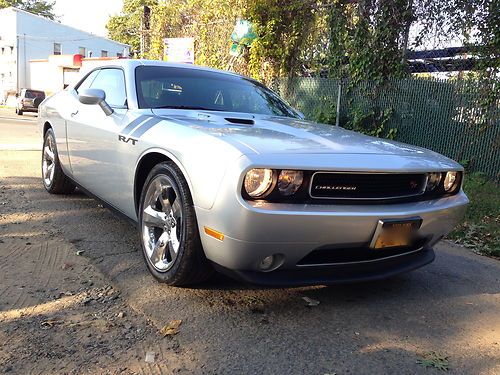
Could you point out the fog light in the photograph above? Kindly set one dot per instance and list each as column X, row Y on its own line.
column 266, row 263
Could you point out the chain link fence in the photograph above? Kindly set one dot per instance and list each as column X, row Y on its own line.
column 447, row 116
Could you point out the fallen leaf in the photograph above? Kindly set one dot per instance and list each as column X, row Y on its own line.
column 150, row 357
column 172, row 328
column 310, row 302
column 51, row 323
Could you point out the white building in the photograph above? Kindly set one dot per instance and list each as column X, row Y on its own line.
column 55, row 73
column 25, row 36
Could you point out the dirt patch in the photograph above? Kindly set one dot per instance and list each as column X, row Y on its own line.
column 58, row 314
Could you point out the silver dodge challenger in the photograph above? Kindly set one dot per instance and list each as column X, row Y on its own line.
column 219, row 173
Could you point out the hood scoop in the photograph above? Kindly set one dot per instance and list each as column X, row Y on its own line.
column 241, row 121
column 224, row 118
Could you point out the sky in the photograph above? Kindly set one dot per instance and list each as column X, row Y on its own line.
column 87, row 15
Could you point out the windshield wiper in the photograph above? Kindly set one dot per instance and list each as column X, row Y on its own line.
column 187, row 107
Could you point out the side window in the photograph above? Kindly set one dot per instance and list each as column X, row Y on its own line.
column 87, row 81
column 112, row 81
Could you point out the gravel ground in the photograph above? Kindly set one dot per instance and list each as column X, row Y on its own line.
column 101, row 312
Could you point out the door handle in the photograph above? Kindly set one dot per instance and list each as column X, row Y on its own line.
column 74, row 113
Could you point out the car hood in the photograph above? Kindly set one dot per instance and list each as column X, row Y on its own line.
column 281, row 135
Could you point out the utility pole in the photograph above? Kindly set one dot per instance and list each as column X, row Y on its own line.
column 17, row 63
column 25, row 61
column 337, row 118
column 145, row 26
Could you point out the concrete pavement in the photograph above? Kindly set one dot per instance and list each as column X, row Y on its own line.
column 18, row 132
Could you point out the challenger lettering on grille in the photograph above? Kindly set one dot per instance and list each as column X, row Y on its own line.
column 330, row 187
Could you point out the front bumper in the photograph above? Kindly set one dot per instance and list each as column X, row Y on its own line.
column 338, row 273
column 255, row 230
column 28, row 109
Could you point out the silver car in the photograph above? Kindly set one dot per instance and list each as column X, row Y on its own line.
column 219, row 173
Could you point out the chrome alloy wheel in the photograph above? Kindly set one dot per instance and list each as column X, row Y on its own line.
column 48, row 161
column 162, row 223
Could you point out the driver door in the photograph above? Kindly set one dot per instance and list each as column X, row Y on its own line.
column 92, row 136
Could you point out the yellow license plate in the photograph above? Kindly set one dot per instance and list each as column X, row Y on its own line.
column 395, row 233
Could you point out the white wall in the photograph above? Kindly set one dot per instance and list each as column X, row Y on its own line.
column 8, row 55
column 35, row 37
column 46, row 77
column 51, row 75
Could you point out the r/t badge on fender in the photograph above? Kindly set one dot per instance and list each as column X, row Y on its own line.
column 127, row 140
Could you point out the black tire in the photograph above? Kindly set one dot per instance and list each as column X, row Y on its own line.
column 190, row 265
column 59, row 183
column 19, row 112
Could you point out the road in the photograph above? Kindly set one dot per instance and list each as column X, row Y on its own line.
column 451, row 307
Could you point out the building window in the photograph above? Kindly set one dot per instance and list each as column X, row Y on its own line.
column 104, row 53
column 119, row 54
column 82, row 51
column 57, row 48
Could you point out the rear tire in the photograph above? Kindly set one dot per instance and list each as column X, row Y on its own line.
column 170, row 239
column 53, row 177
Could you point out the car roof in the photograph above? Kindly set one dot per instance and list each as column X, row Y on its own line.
column 133, row 63
column 31, row 90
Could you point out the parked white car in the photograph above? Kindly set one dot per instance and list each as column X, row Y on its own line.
column 220, row 173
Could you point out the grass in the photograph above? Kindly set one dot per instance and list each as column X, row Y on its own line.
column 480, row 230
column 434, row 360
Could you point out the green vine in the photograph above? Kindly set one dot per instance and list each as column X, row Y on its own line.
column 373, row 122
column 367, row 39
column 282, row 27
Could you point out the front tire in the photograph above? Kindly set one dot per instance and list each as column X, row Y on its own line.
column 170, row 239
column 54, row 179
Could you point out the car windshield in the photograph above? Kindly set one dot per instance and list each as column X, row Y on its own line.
column 181, row 88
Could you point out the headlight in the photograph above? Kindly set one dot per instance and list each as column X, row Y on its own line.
column 433, row 180
column 258, row 182
column 289, row 182
column 450, row 181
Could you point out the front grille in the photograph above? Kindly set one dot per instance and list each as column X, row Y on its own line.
column 333, row 185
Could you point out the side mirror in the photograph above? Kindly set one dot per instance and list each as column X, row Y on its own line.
column 93, row 97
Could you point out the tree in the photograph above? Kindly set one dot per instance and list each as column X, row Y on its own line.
column 44, row 8
column 126, row 26
column 354, row 39
column 368, row 38
column 283, row 27
column 476, row 23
